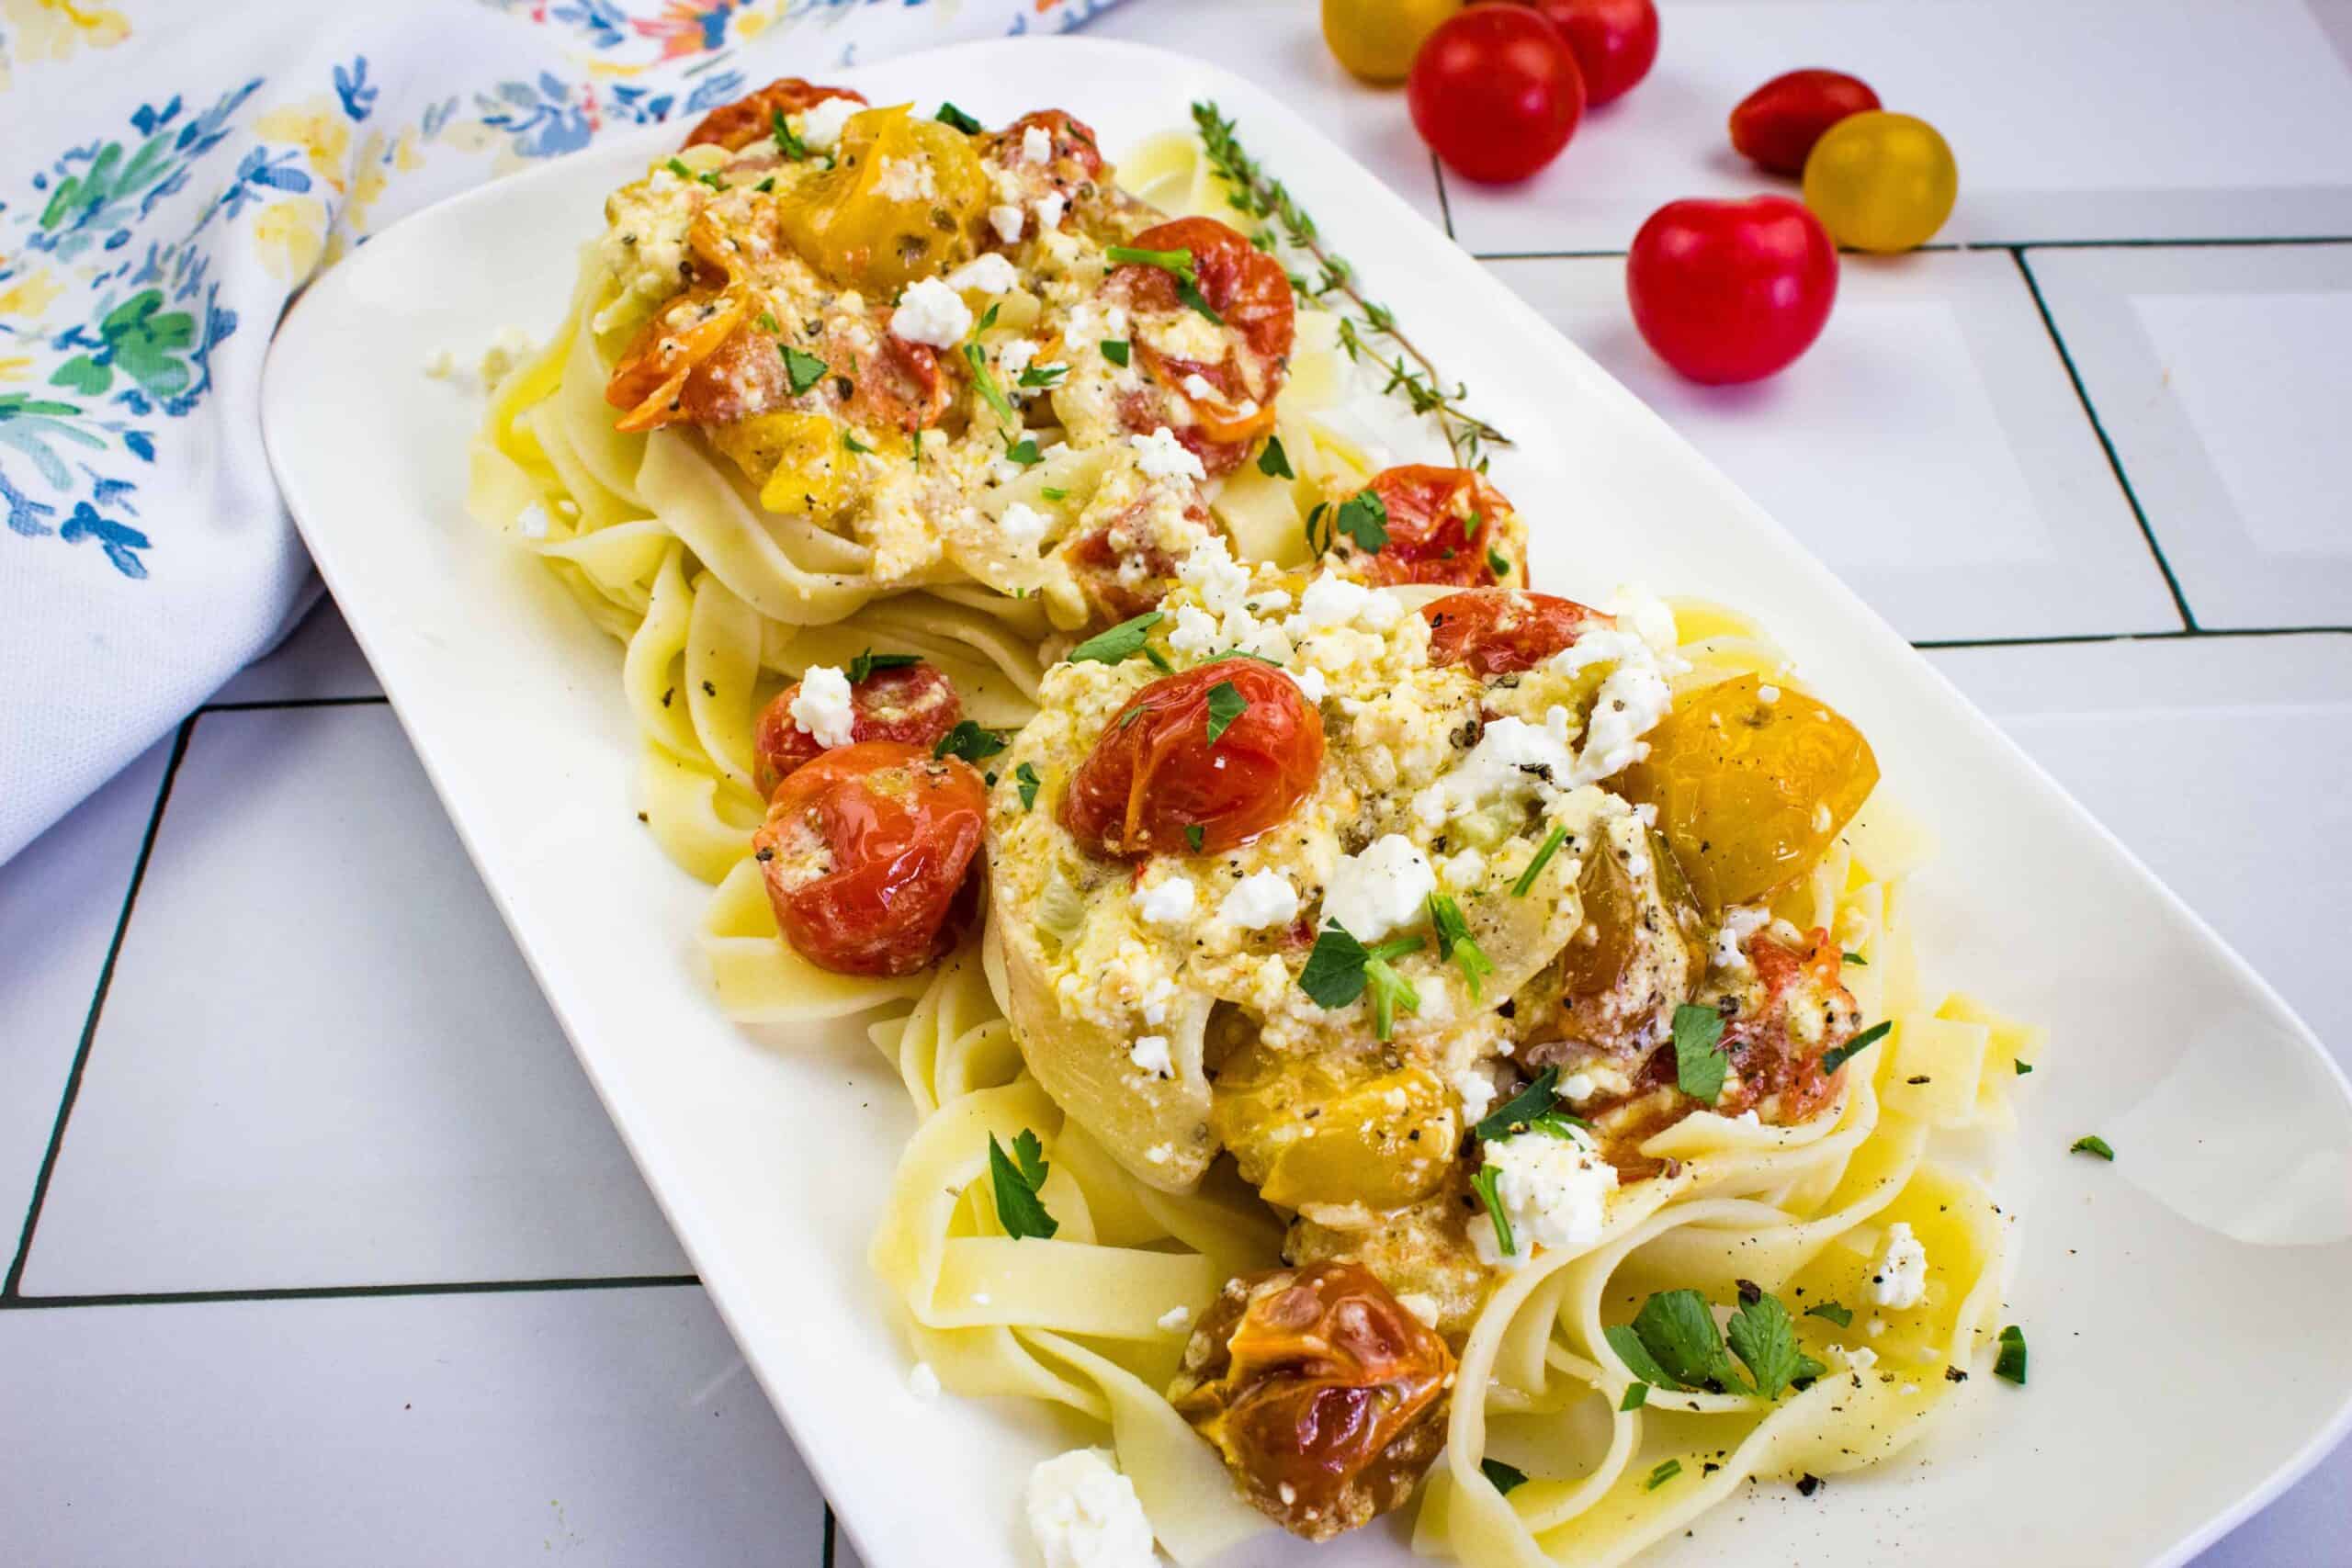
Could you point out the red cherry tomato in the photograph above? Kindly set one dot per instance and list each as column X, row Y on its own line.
column 1731, row 290
column 867, row 852
column 1429, row 510
column 1776, row 125
column 737, row 125
column 1772, row 1056
column 1153, row 772
column 1615, row 41
column 914, row 703
column 1251, row 293
column 1495, row 92
column 1075, row 163
column 1499, row 632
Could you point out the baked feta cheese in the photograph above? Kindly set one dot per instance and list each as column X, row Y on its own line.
column 1168, row 902
column 823, row 709
column 1159, row 454
column 1900, row 1281
column 931, row 313
column 1149, row 1053
column 1036, row 145
column 989, row 273
column 820, row 127
column 1261, row 899
column 1084, row 1514
column 1380, row 890
column 1553, row 1191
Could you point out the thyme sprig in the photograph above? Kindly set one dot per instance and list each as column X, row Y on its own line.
column 1364, row 323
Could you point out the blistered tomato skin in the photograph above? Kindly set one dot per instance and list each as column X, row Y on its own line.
column 1731, row 291
column 1496, row 92
column 738, row 125
column 1505, row 630
column 914, row 704
column 1776, row 125
column 1154, row 773
column 1615, row 43
column 1252, row 295
column 1750, row 794
column 1882, row 182
column 868, row 851
column 1445, row 525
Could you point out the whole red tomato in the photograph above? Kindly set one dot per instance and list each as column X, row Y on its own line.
column 1498, row 631
column 1615, row 41
column 1776, row 125
column 1731, row 290
column 1495, row 92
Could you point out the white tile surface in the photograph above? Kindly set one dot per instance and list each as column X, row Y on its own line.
column 321, row 1061
column 1279, row 43
column 2223, row 377
column 579, row 1427
column 1929, row 447
column 2068, row 120
column 317, row 661
column 59, row 901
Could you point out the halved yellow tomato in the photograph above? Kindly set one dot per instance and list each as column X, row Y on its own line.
column 1333, row 1130
column 903, row 200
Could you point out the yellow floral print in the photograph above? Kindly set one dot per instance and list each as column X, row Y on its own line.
column 317, row 126
column 290, row 235
column 44, row 30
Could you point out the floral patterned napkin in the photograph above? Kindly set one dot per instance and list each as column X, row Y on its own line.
column 173, row 173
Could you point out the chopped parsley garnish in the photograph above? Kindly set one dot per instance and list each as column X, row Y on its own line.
column 1454, row 943
column 768, row 323
column 1051, row 493
column 854, row 444
column 1478, row 521
column 1855, row 959
column 1497, row 562
column 1177, row 265
column 1484, row 1185
column 1273, row 462
column 985, row 383
column 1022, row 452
column 802, row 370
column 2091, row 1143
column 1044, row 375
column 1835, row 1312
column 950, row 114
column 1026, row 777
column 1116, row 350
column 968, row 740
column 1636, row 1395
column 868, row 661
column 790, row 145
column 917, row 441
column 1521, row 1109
column 1319, row 537
column 1017, row 1205
column 1505, row 1478
column 1122, row 641
column 1700, row 1063
column 1363, row 517
column 2010, row 1363
column 1195, row 835
column 1764, row 1340
column 988, row 320
column 1160, row 663
column 1225, row 705
column 1340, row 969
column 678, row 167
column 1673, row 1342
column 1838, row 1057
column 766, row 186
column 1551, row 846
column 1662, row 1474
column 2021, row 1064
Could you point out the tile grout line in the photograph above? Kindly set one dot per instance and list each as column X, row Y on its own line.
column 2114, row 458
column 349, row 1293
column 2182, row 634
column 265, row 704
column 1964, row 247
column 827, row 1561
column 9, row 1287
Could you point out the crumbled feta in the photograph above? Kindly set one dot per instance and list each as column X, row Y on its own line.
column 1862, row 1358
column 1224, row 584
column 1649, row 616
column 1197, row 386
column 1512, row 758
column 533, row 521
column 1155, row 999
column 1554, row 1191
column 1037, row 145
column 1577, row 1086
column 1007, row 221
column 1049, row 209
column 1086, row 1515
column 906, row 179
column 1149, row 1053
column 1768, row 696
column 1422, row 1306
column 1632, row 698
column 1476, row 1087
column 989, row 273
column 1166, row 903
column 1740, row 922
column 1163, row 457
column 1380, row 890
column 1901, row 1278
column 1261, row 899
column 1176, row 1319
column 1331, row 602
column 823, row 709
column 1312, row 684
column 1195, row 631
column 1023, row 524
column 1014, row 358
column 923, row 1382
column 820, row 128
column 930, row 312
column 1875, row 1327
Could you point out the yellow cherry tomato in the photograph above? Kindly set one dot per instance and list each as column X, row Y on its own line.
column 1882, row 182
column 1377, row 39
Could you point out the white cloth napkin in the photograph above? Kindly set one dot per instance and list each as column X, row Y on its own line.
column 171, row 173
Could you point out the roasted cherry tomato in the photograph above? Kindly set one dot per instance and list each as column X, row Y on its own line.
column 1731, row 290
column 1750, row 793
column 1120, row 584
column 1154, row 773
column 913, row 704
column 1230, row 398
column 1073, row 162
column 1495, row 92
column 1377, row 39
column 860, row 225
column 1776, row 125
column 737, row 125
column 1615, row 41
column 867, row 852
column 1445, row 526
column 1771, row 1055
column 897, row 383
column 1334, row 1128
column 1505, row 630
column 1882, row 182
column 1324, row 1394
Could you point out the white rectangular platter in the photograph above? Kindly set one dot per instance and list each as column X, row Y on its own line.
column 2184, row 1304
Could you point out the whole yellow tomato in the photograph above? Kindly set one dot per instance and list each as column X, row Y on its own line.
column 1377, row 39
column 1882, row 182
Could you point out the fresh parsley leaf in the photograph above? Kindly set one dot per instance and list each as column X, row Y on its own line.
column 1188, row 290
column 768, row 323
column 1319, row 537
column 984, row 382
column 766, row 186
column 969, row 741
column 1167, row 261
column 790, row 145
column 1454, row 943
column 868, row 661
column 1636, row 1395
column 1122, row 641
column 1340, row 969
column 1838, row 1057
column 1665, row 1472
column 1497, row 562
column 1835, row 1312
column 1855, row 959
column 950, row 114
column 802, row 370
column 1390, row 991
column 1195, row 835
column 2092, row 1144
column 1022, row 452
column 1505, row 1478
column 2021, row 1064
column 1051, row 493
column 1115, row 351
column 1559, row 1124
column 1225, row 705
column 1273, row 462
column 1160, row 663
column 854, row 444
column 1764, row 1340
column 917, row 442
column 1484, row 1185
column 1478, row 521
column 1363, row 517
column 1550, row 847
column 1044, row 375
column 1026, row 777
column 2010, row 1363
column 1678, row 1328
column 1700, row 1063
column 1636, row 1357
column 1017, row 1205
column 1521, row 1108
column 678, row 167
column 988, row 320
